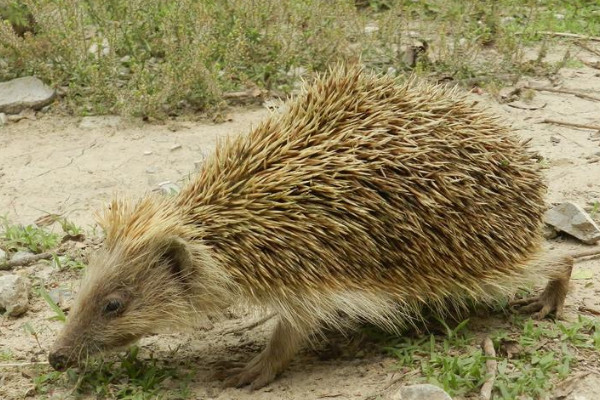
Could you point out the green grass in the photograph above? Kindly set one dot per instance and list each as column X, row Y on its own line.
column 30, row 237
column 65, row 262
column 15, row 237
column 59, row 315
column 547, row 353
column 161, row 59
column 128, row 377
column 6, row 355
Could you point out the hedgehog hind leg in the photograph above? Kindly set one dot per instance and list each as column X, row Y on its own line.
column 552, row 299
column 266, row 366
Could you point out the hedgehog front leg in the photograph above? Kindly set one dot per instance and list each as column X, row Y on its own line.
column 264, row 368
column 552, row 299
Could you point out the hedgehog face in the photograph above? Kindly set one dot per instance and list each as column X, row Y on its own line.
column 125, row 296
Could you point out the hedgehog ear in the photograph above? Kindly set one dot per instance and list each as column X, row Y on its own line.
column 177, row 259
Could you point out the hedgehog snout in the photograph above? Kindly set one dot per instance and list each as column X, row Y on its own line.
column 60, row 360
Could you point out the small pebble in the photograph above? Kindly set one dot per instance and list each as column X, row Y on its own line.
column 147, row 153
column 175, row 147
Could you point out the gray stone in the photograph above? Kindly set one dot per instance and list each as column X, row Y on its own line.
column 580, row 388
column 14, row 294
column 21, row 93
column 417, row 392
column 3, row 119
column 101, row 121
column 20, row 255
column 3, row 256
column 570, row 218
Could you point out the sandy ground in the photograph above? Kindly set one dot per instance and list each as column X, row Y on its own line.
column 52, row 165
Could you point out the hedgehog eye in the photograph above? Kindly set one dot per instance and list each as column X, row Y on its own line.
column 112, row 307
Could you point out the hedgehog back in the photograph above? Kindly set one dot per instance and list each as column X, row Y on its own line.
column 366, row 184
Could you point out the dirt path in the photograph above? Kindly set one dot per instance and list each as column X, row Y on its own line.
column 53, row 165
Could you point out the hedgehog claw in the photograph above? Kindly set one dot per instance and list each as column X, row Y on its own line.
column 537, row 307
column 254, row 374
column 541, row 306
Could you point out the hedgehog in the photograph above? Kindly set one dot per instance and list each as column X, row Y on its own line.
column 366, row 200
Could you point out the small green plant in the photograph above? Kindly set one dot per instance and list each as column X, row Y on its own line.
column 27, row 327
column 595, row 208
column 30, row 237
column 59, row 314
column 66, row 262
column 6, row 355
column 44, row 381
column 69, row 227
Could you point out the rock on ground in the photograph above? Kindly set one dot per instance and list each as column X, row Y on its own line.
column 21, row 93
column 20, row 255
column 417, row 392
column 568, row 217
column 3, row 256
column 14, row 294
column 585, row 388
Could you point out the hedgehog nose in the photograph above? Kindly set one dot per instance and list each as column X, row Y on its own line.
column 58, row 360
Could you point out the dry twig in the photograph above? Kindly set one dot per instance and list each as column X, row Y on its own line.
column 565, row 91
column 590, row 310
column 588, row 48
column 490, row 369
column 23, row 364
column 566, row 35
column 571, row 124
column 22, row 262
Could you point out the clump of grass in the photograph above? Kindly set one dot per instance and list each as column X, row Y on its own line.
column 456, row 363
column 65, row 262
column 161, row 58
column 18, row 237
column 129, row 377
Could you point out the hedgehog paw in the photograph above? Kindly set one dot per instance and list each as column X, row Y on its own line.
column 257, row 373
column 552, row 300
column 538, row 307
